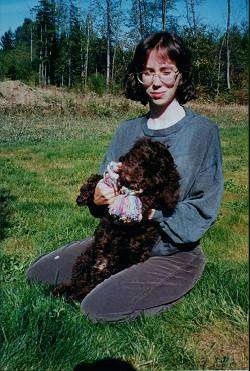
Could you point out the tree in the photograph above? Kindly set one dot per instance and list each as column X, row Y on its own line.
column 239, row 38
column 167, row 19
column 143, row 19
column 191, row 14
column 45, row 13
column 149, row 16
column 86, row 59
column 109, row 35
column 219, row 66
column 108, row 24
column 7, row 40
column 227, row 42
column 204, row 55
column 75, row 48
column 24, row 35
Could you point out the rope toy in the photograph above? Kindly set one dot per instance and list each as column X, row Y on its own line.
column 127, row 207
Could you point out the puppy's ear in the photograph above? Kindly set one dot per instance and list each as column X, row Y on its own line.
column 87, row 190
column 81, row 199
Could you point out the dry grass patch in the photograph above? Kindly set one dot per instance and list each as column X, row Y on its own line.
column 239, row 177
column 241, row 228
column 239, row 112
column 221, row 347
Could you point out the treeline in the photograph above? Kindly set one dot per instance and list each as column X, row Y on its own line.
column 89, row 49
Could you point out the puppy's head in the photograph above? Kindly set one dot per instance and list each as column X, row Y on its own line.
column 150, row 168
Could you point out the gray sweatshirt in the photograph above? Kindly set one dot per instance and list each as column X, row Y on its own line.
column 195, row 146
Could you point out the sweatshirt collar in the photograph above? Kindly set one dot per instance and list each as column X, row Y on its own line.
column 164, row 132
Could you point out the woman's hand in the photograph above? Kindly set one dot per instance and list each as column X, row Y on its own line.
column 104, row 194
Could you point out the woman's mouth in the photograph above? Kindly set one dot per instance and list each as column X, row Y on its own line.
column 157, row 95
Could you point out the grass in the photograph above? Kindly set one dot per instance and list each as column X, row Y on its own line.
column 43, row 160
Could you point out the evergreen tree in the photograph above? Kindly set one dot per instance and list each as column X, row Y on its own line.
column 75, row 46
column 47, row 40
column 7, row 40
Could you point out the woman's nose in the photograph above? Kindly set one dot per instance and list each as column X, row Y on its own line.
column 156, row 81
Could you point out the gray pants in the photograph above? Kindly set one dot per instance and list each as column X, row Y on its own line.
column 149, row 287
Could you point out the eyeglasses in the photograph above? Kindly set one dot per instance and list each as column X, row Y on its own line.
column 167, row 76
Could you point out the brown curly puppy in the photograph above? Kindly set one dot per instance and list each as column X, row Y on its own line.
column 149, row 167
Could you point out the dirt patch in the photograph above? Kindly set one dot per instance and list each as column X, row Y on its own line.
column 16, row 94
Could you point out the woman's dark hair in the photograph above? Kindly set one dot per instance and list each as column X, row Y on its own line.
column 169, row 46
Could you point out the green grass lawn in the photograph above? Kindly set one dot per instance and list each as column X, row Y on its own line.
column 43, row 161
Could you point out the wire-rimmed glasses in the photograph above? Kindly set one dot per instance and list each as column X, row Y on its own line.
column 167, row 76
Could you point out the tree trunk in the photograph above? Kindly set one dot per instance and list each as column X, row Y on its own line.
column 40, row 73
column 192, row 6
column 69, row 61
column 108, row 44
column 163, row 13
column 31, row 43
column 141, row 26
column 113, row 64
column 69, row 72
column 46, row 59
column 86, row 62
column 227, row 43
column 191, row 15
column 219, row 68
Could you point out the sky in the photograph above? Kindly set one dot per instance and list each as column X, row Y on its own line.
column 212, row 12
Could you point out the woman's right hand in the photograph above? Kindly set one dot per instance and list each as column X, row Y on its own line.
column 104, row 194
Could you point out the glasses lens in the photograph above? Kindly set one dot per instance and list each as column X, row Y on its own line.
column 167, row 77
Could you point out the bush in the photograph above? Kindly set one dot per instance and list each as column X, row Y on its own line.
column 97, row 83
column 239, row 96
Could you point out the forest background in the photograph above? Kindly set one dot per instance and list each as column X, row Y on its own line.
column 88, row 48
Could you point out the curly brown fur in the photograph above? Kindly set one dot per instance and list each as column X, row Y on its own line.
column 148, row 166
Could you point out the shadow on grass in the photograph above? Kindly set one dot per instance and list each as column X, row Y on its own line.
column 107, row 364
column 5, row 211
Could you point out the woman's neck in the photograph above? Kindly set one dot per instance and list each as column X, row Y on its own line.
column 163, row 118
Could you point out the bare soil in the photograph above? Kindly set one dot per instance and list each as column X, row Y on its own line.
column 16, row 93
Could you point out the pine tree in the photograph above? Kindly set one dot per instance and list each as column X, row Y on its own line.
column 7, row 40
column 45, row 13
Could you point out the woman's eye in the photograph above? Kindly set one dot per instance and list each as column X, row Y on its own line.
column 166, row 72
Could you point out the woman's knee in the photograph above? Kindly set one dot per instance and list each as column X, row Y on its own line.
column 149, row 287
column 56, row 267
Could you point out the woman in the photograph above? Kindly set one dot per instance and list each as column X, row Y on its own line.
column 160, row 74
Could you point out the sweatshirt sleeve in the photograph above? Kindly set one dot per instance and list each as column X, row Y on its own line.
column 198, row 210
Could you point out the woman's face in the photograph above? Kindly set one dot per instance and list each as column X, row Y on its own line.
column 160, row 79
